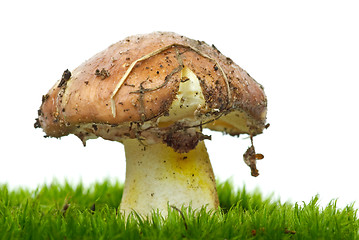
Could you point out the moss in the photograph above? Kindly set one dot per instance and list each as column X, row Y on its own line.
column 63, row 211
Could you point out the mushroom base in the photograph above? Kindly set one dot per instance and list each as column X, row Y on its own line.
column 158, row 177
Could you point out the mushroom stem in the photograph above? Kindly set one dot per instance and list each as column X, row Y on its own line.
column 157, row 176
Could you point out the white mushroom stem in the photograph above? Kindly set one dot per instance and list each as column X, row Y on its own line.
column 158, row 177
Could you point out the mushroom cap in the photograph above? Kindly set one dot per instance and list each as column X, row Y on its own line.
column 80, row 102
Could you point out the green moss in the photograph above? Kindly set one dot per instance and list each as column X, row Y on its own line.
column 63, row 211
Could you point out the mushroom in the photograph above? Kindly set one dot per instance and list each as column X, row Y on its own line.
column 155, row 93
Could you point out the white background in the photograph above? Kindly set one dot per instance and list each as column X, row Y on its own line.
column 305, row 53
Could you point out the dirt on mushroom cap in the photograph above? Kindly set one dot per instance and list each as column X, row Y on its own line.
column 149, row 89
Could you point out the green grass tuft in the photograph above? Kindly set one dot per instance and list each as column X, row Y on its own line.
column 63, row 211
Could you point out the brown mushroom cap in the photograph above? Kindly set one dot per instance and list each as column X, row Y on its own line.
column 80, row 102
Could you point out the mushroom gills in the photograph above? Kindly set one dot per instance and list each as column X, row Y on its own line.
column 190, row 108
